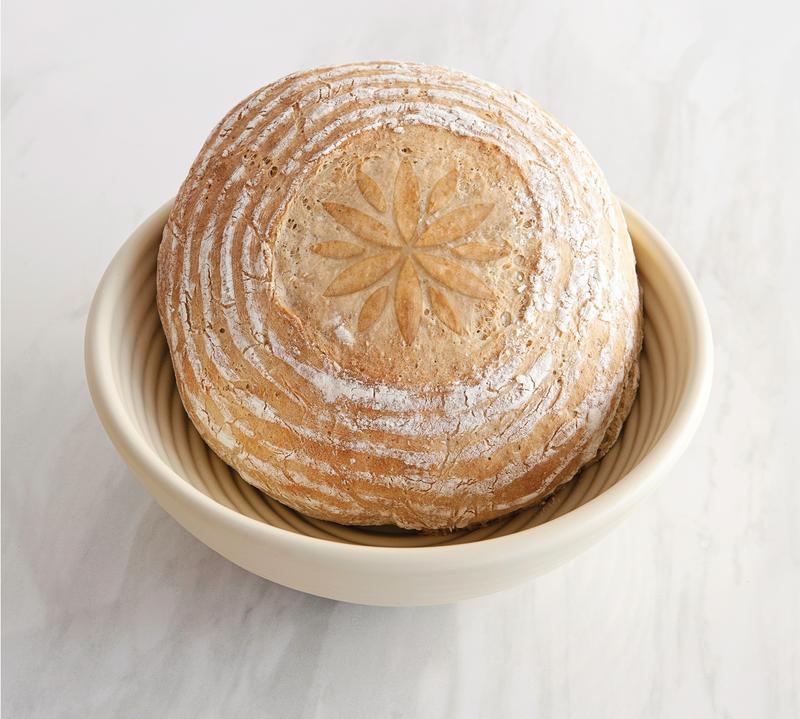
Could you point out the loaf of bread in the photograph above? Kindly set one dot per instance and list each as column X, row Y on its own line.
column 397, row 294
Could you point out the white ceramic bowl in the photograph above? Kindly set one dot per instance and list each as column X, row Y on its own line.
column 133, row 387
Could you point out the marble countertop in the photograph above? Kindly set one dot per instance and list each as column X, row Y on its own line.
column 690, row 609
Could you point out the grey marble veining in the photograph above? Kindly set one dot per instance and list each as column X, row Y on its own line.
column 691, row 608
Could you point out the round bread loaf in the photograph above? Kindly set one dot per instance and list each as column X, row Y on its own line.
column 394, row 293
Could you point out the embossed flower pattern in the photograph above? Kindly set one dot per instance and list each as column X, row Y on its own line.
column 430, row 255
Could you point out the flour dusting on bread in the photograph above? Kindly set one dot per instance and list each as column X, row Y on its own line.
column 394, row 293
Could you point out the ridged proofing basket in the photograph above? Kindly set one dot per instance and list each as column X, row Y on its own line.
column 133, row 387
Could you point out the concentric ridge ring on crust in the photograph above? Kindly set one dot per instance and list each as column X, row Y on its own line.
column 394, row 293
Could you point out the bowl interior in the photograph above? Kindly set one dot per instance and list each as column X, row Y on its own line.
column 143, row 380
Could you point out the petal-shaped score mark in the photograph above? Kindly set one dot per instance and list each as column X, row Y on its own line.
column 362, row 274
column 408, row 302
column 406, row 200
column 370, row 190
column 373, row 308
column 481, row 253
column 442, row 192
column 337, row 250
column 361, row 225
column 406, row 290
column 443, row 310
column 455, row 224
column 453, row 276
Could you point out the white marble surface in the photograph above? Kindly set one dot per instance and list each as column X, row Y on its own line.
column 690, row 609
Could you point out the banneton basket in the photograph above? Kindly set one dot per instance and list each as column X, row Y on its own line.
column 133, row 387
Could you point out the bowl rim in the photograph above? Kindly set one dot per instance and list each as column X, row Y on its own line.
column 583, row 521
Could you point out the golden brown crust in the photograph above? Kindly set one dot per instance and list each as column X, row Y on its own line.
column 397, row 294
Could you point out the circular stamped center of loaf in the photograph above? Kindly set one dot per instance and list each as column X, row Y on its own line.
column 405, row 252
